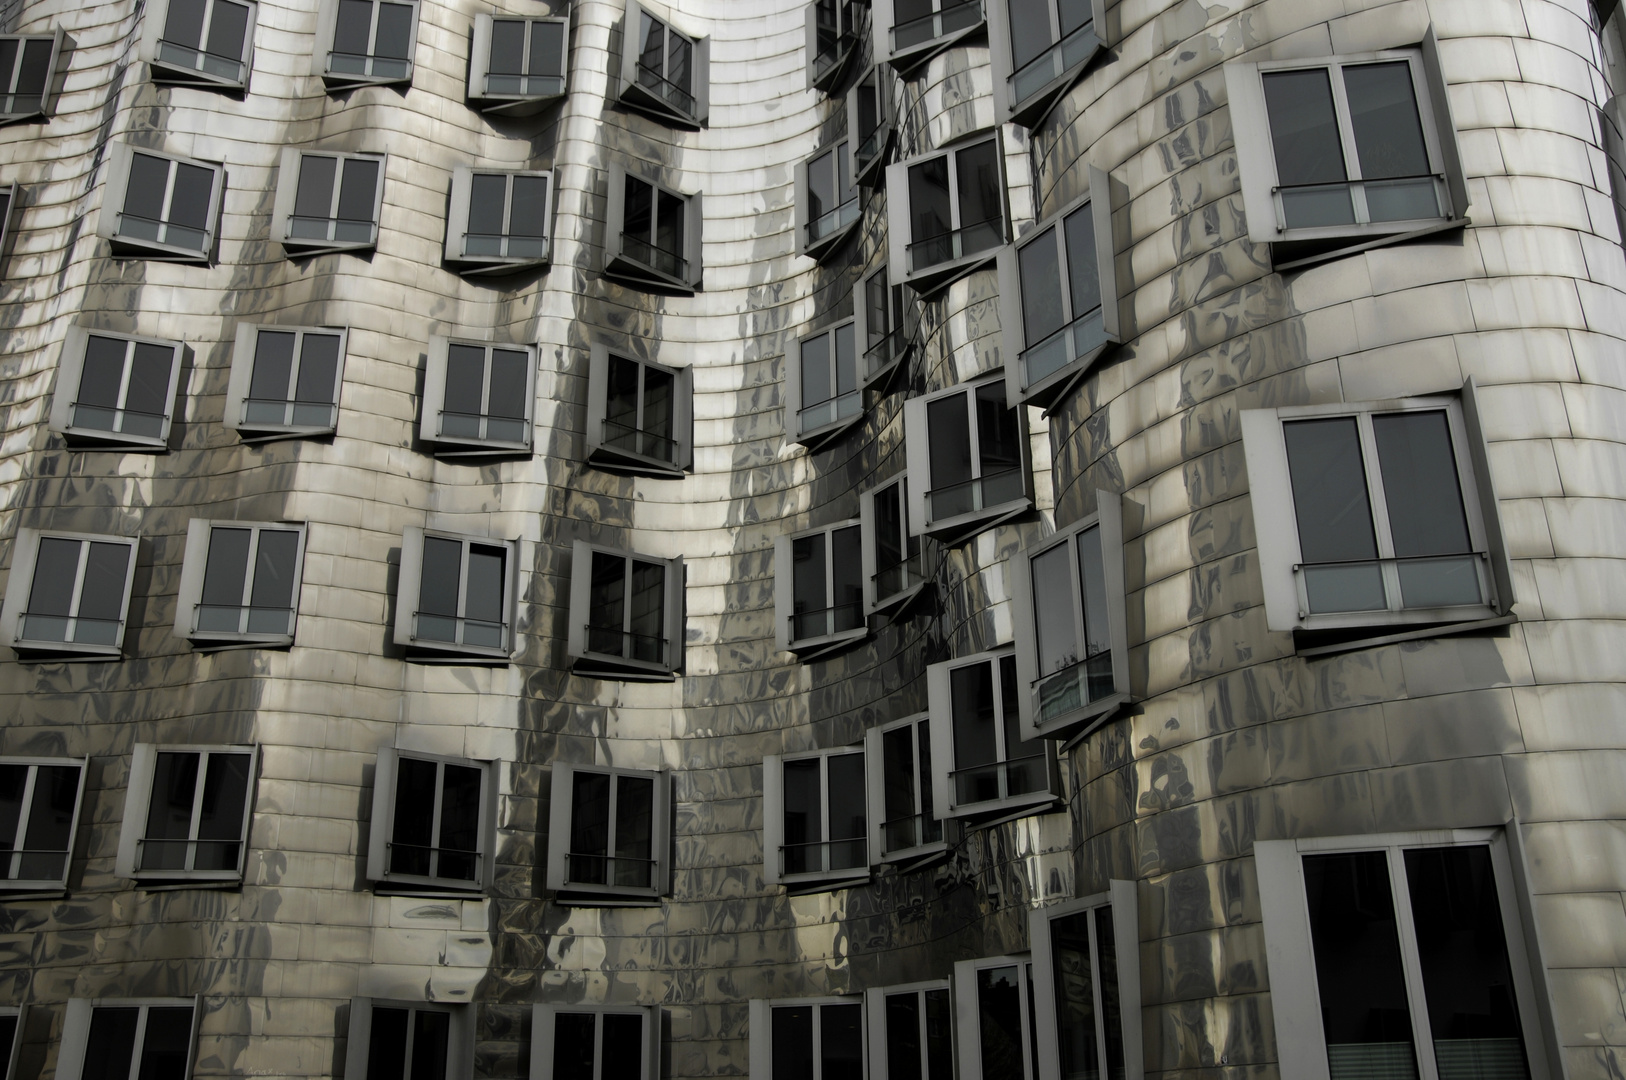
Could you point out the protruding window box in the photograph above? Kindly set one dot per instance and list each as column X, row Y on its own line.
column 823, row 397
column 665, row 73
column 40, row 800
column 477, row 398
column 609, row 835
column 626, row 614
column 827, row 209
column 801, row 1037
column 994, row 1019
column 652, row 238
column 432, row 826
column 1086, row 984
column 186, row 815
column 68, row 595
column 518, row 66
column 814, row 826
column 613, row 1042
column 947, row 212
column 499, row 222
column 327, row 202
column 366, row 42
column 907, row 33
column 119, row 1037
column 116, row 391
column 240, row 583
column 160, row 206
column 968, row 460
column 457, row 597
column 885, row 328
column 903, row 823
column 1039, row 48
column 640, row 415
column 870, row 124
column 436, row 1038
column 818, row 590
column 206, row 43
column 285, row 381
column 32, row 69
column 981, row 765
column 894, row 565
column 835, row 29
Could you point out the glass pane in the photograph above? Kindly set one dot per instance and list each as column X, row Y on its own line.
column 226, row 31
column 841, row 1039
column 167, row 1044
column 1333, row 513
column 647, row 614
column 804, row 819
column 13, row 780
column 189, row 202
column 507, row 47
column 846, row 363
column 270, row 379
column 892, row 545
column 999, row 443
column 394, row 39
column 358, row 189
column 898, row 788
column 607, row 604
column 101, row 598
column 56, row 570
column 948, row 434
column 679, row 60
column 169, row 817
column 1092, row 573
column 1383, row 113
column 847, row 574
column 976, row 742
column 438, row 588
column 8, row 1035
column 638, row 208
column 1112, row 1019
column 669, row 224
column 849, row 830
column 622, row 1050
column 465, row 391
column 529, row 216
column 982, row 197
column 932, row 828
column 904, row 1059
column 224, row 575
column 573, row 1046
column 821, row 187
column 817, row 377
column 386, row 1045
column 508, row 401
column 1031, row 35
column 999, row 1018
column 413, row 830
column 313, row 201
column 272, row 596
column 183, row 25
column 808, row 591
column 144, row 195
column 113, row 1033
column 793, row 1042
column 34, row 72
column 459, row 823
column 318, row 371
column 869, row 113
column 651, row 50
column 1055, row 610
column 1304, row 128
column 659, row 425
column 1027, row 771
column 929, row 215
column 220, row 815
column 547, row 48
column 1426, row 517
column 589, row 828
column 939, row 1036
column 100, row 381
column 147, row 398
column 634, row 831
column 50, row 825
column 353, row 32
column 430, row 1038
column 1074, row 978
column 1040, row 268
column 1083, row 272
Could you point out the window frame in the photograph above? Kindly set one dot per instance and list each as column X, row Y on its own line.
column 850, row 27
column 925, row 788
column 408, row 594
column 199, row 534
column 877, row 369
column 80, row 1012
column 1121, row 897
column 386, row 779
column 521, row 104
column 69, row 379
column 459, row 1042
column 19, row 888
column 327, row 24
column 161, row 70
column 773, row 824
column 120, row 158
column 941, row 709
column 457, row 223
column 784, row 585
column 929, row 279
column 138, row 796
column 11, row 194
column 904, row 60
column 605, row 456
column 967, row 1022
column 619, row 266
column 10, row 1054
column 544, row 1017
column 1030, row 108
column 871, row 172
column 876, row 1032
column 635, row 96
column 917, row 442
column 438, row 356
column 55, row 73
column 288, row 192
column 561, row 820
column 587, row 661
column 245, row 351
column 847, row 214
column 20, row 587
column 874, row 603
column 760, row 1053
column 816, row 438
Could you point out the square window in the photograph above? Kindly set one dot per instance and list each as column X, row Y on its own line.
column 327, row 202
column 145, row 1037
column 40, row 799
column 1039, row 47
column 477, row 398
column 580, row 1042
column 827, row 208
column 640, row 415
column 68, row 595
column 1072, row 648
column 910, row 32
column 409, row 1040
column 626, row 614
column 456, row 598
column 1060, row 286
column 980, row 763
column 186, row 814
column 519, row 65
column 240, row 583
column 1086, row 983
column 904, row 824
column 366, row 42
column 968, row 452
column 819, row 589
column 285, row 381
column 823, row 397
column 200, row 42
column 894, row 569
column 1344, row 152
column 609, row 833
column 664, row 72
column 807, row 1038
column 160, row 206
column 835, row 28
column 993, row 1013
column 499, row 222
column 815, row 827
column 652, row 238
column 31, row 71
column 115, row 390
column 871, row 114
column 885, row 328
column 947, row 212
column 432, row 824
column 911, row 1031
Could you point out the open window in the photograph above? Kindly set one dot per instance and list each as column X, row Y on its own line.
column 903, row 821
column 32, row 67
column 477, row 398
column 640, row 414
column 807, row 1038
column 1072, row 648
column 366, row 42
column 980, row 764
column 946, row 212
column 894, row 569
column 115, row 390
column 665, row 73
column 160, row 206
column 994, row 1019
column 433, row 823
column 285, row 381
column 911, row 1032
column 835, row 30
column 584, row 1042
column 201, row 42
column 518, row 66
column 909, row 32
column 327, row 202
column 652, row 238
column 815, row 828
column 457, row 597
column 186, row 814
column 1058, row 285
column 819, row 589
column 131, row 1037
column 823, row 397
column 870, row 124
column 68, row 595
column 609, row 834
column 240, row 583
column 968, row 454
column 499, row 222
column 626, row 614
column 1375, row 516
column 884, row 326
column 1086, row 985
column 1039, row 47
column 409, row 1039
column 827, row 208
column 1345, row 152
column 40, row 800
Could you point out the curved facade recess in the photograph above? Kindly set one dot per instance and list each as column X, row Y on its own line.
column 891, row 540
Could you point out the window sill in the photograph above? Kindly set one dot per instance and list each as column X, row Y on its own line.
column 124, row 247
column 344, row 81
column 820, row 437
column 809, row 649
column 443, row 447
column 985, row 815
column 1310, row 643
column 1304, row 248
column 632, row 272
column 898, row 603
column 588, row 898
column 301, row 249
column 939, row 276
column 222, row 642
column 956, row 530
column 161, row 72
column 628, row 462
column 904, row 61
column 1053, row 389
column 872, row 172
column 39, row 115
column 15, row 891
column 638, row 99
column 825, row 246
column 835, row 71
column 802, row 884
column 94, row 439
column 426, row 891
column 50, row 652
column 598, row 666
column 1033, row 108
column 515, row 105
column 161, row 881
column 916, row 858
column 258, row 433
column 449, row 653
column 472, row 265
column 1076, row 723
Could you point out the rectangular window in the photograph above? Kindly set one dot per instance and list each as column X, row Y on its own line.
column 160, row 206
column 456, row 599
column 981, row 764
column 823, row 397
column 968, row 450
column 1039, row 47
column 903, row 818
column 894, row 569
column 68, row 595
column 870, row 124
column 115, row 389
column 826, row 201
column 129, row 1037
column 432, row 823
column 819, row 589
column 13, row 1022
column 814, row 825
column 499, row 221
column 664, row 72
column 285, row 381
column 911, row 1032
column 834, row 29
column 518, row 65
column 912, row 31
column 39, row 818
column 9, row 197
column 240, row 583
column 477, row 398
column 810, row 1039
column 208, row 42
column 28, row 75
column 186, row 813
column 372, row 41
column 1086, row 983
column 626, row 614
column 408, row 1040
column 653, row 235
column 595, row 1042
column 885, row 326
column 609, row 832
column 639, row 414
column 993, row 1006
column 947, row 212
column 328, row 202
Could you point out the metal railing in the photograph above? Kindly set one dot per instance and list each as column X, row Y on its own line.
column 999, row 780
column 909, row 831
column 838, row 50
column 512, row 85
column 836, row 219
column 34, row 864
column 482, row 427
column 155, row 853
column 978, row 493
column 659, row 259
column 823, row 856
column 951, row 17
column 193, row 59
column 638, row 441
column 1392, row 584
column 830, row 411
column 956, row 244
column 1355, row 207
column 626, row 644
column 333, row 230
column 284, row 413
column 433, row 861
column 242, row 619
column 456, row 630
column 869, row 146
column 505, row 245
column 136, row 422
column 1075, row 48
column 584, row 869
column 1073, row 341
column 822, row 622
column 69, row 629
column 159, row 231
column 368, row 65
column 1073, row 687
column 668, row 91
column 21, row 104
column 886, row 352
column 899, row 577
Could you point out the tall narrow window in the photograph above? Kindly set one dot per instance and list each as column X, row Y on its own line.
column 912, row 31
column 210, row 42
column 639, row 414
column 68, row 595
column 823, row 397
column 159, row 206
column 10, row 197
column 903, row 816
column 285, row 381
column 13, row 1022
column 28, row 75
column 518, row 65
column 894, row 569
column 1039, row 47
column 609, row 832
column 409, row 1040
column 432, row 823
column 371, row 41
column 993, row 1004
column 814, row 823
column 595, row 1042
column 499, row 221
column 807, row 1039
column 1086, row 981
column 186, row 813
column 626, row 613
column 884, row 328
column 39, row 818
column 664, row 72
column 948, row 212
column 653, row 234
column 240, row 583
column 477, row 398
column 456, row 601
column 328, row 202
column 980, row 761
column 870, row 124
column 911, row 1032
column 819, row 589
column 115, row 389
column 149, row 1038
column 826, row 201
column 967, row 452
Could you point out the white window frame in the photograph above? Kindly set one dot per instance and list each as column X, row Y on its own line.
column 1083, row 343
column 199, row 532
column 941, row 707
column 967, row 1019
column 434, row 401
column 109, row 223
column 875, row 1026
column 588, row 661
column 381, row 829
column 560, row 822
column 245, row 350
column 138, row 805
column 1047, row 76
column 327, row 24
column 456, row 251
column 70, row 374
column 55, row 72
column 844, row 217
column 411, row 582
column 76, row 1031
column 905, row 59
column 523, row 102
column 1290, row 954
column 917, row 442
column 932, row 277
column 879, row 364
column 638, row 97
column 914, row 567
column 1269, row 481
column 784, row 588
column 10, row 195
column 1121, row 898
column 10, row 1053
column 544, row 1018
column 850, row 27
column 623, row 267
column 172, row 70
column 20, row 585
column 760, row 1055
column 1108, row 521
column 773, row 823
column 925, row 788
column 1256, row 159
column 459, row 1042
column 601, row 453
column 288, row 193
column 817, row 436
column 870, row 171
column 17, row 887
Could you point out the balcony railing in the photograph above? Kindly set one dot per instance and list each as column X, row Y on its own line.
column 824, row 622
column 482, row 427
column 899, row 577
column 367, row 65
column 658, row 259
column 242, row 619
column 1360, row 202
column 35, row 864
column 978, row 493
column 834, row 221
column 914, row 830
column 454, row 630
column 626, row 644
column 70, row 629
column 1393, row 584
column 620, row 871
column 1072, row 342
column 1075, row 48
column 824, row 856
column 504, row 246
column 830, row 411
column 187, row 855
column 159, row 231
column 669, row 92
column 279, row 412
column 524, row 86
column 332, row 230
column 949, row 18
column 228, row 68
column 1000, row 780
column 1073, row 687
column 134, row 422
column 631, row 440
column 973, row 239
column 422, row 860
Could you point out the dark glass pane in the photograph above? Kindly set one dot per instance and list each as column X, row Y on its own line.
column 484, row 603
column 679, row 59
column 929, row 213
column 607, row 603
column 1420, row 485
column 442, row 567
column 589, row 828
column 113, row 1034
column 849, row 831
column 793, row 1042
column 189, row 202
column 647, row 615
column 846, row 361
column 274, row 574
column 844, row 176
column 573, row 1040
column 999, row 442
column 1083, row 272
column 8, row 1036
column 652, row 45
column 890, row 530
column 353, row 32
column 1027, row 771
column 638, row 208
column 226, row 31
column 634, row 830
column 102, row 376
column 386, row 1046
column 1092, row 573
column 999, row 1017
column 56, row 570
column 1031, row 35
column 430, row 1039
column 273, row 368
column 529, row 216
column 1055, row 610
column 101, row 599
column 459, row 823
column 1112, row 1017
column 13, row 780
column 817, row 377
column 183, row 25
column 167, row 1044
column 826, row 27
column 869, row 112
column 903, row 1050
column 318, row 370
column 224, row 575
column 948, row 430
column 1074, row 976
column 8, row 61
column 1383, row 113
column 982, row 196
column 169, row 817
column 877, row 317
column 393, row 40
column 358, row 189
column 508, row 399
column 841, row 1039
column 507, row 47
column 314, row 198
column 621, row 1055
column 1334, row 514
column 413, row 830
column 821, row 186
column 847, row 574
column 804, row 820
column 669, row 222
column 147, row 396
column 50, row 824
column 144, row 193
column 808, row 589
column 932, row 828
column 1304, row 127
column 898, row 787
column 976, row 740
column 220, row 816
column 35, row 70
column 621, row 397
column 1040, row 268
column 547, row 48
column 659, row 403
column 939, row 1036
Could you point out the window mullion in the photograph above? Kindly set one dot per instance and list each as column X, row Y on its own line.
column 412, row 1015
column 76, row 596
column 612, row 825
column 208, row 20
column 923, row 1036
column 169, row 193
column 598, row 1045
column 1065, row 269
column 434, row 822
column 825, row 854
column 488, row 362
column 818, row 1042
column 1346, row 138
column 1377, row 498
column 954, row 198
column 248, row 580
column 508, row 194
column 372, row 53
column 1002, row 752
column 626, row 600
column 197, row 809
column 14, row 862
column 293, row 374
column 140, row 1042
column 465, row 555
column 1416, row 993
column 333, row 198
column 125, row 372
column 1098, row 990
column 16, row 75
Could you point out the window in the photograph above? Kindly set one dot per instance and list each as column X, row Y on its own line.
column 186, row 813
column 240, row 583
column 980, row 763
column 947, row 213
column 1345, row 151
column 993, row 1007
column 409, row 1040
column 822, row 395
column 457, row 597
column 10, row 195
column 372, row 41
column 1059, row 285
column 826, row 201
column 133, row 1037
column 519, row 65
column 664, row 72
column 1086, row 983
column 653, row 235
column 203, row 42
column 159, row 206
column 911, row 1032
column 819, row 590
column 30, row 75
column 1038, row 48
column 328, row 202
column 595, row 1042
column 1399, row 955
column 477, row 398
column 903, row 820
column 834, row 30
column 885, row 326
column 814, row 826
column 870, row 124
column 809, row 1039
column 912, row 31
column 115, row 390
column 499, row 222
column 894, row 570
column 1072, row 648
column 609, row 833
column 1375, row 514
column 68, row 595
column 640, row 414
column 13, row 1022
column 432, row 824
column 285, row 381
column 967, row 451
column 39, row 818
column 626, row 614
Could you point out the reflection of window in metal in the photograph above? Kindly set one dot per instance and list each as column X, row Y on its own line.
column 373, row 39
column 39, row 813
column 198, row 817
column 436, row 825
column 205, row 38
